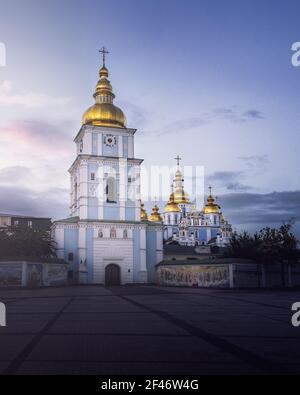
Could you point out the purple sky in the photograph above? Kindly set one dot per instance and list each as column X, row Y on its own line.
column 209, row 80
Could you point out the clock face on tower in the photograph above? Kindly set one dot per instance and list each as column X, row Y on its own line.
column 110, row 140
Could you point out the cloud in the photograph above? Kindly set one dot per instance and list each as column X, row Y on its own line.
column 229, row 179
column 37, row 137
column 253, row 114
column 237, row 186
column 15, row 174
column 137, row 115
column 254, row 208
column 49, row 203
column 224, row 175
column 183, row 125
column 233, row 114
column 28, row 99
column 255, row 162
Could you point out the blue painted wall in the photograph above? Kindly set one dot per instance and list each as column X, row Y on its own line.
column 151, row 254
column 111, row 212
column 92, row 208
column 136, row 255
column 129, row 213
column 71, row 246
column 202, row 235
column 89, row 254
column 125, row 146
column 110, row 151
column 95, row 143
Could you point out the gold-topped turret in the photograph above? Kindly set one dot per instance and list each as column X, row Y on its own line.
column 172, row 206
column 155, row 215
column 104, row 112
column 144, row 215
column 211, row 207
column 180, row 196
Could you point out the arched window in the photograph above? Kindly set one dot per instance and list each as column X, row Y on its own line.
column 111, row 190
column 100, row 233
column 113, row 233
column 125, row 234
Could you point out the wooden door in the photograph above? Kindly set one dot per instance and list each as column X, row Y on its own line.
column 112, row 275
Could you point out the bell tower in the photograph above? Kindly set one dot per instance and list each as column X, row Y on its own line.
column 105, row 176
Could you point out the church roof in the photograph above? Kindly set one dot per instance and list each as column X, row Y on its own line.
column 104, row 112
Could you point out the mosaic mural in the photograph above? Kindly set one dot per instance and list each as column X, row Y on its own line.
column 194, row 275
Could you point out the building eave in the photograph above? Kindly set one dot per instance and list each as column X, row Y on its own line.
column 101, row 157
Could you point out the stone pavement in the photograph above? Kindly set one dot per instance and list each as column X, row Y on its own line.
column 148, row 330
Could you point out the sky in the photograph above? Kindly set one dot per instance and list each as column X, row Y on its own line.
column 211, row 81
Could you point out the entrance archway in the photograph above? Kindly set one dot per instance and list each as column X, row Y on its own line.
column 112, row 275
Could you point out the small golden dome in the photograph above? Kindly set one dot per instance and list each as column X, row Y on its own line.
column 211, row 207
column 155, row 215
column 171, row 206
column 104, row 112
column 144, row 215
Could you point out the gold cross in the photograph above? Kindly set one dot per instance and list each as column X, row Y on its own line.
column 104, row 52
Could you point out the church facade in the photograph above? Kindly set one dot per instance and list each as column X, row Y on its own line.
column 187, row 226
column 108, row 238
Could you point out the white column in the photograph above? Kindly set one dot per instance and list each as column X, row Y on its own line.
column 159, row 246
column 100, row 191
column 100, row 144
column 83, row 190
column 143, row 267
column 88, row 143
column 82, row 267
column 122, row 186
column 130, row 147
column 120, row 143
column 82, row 244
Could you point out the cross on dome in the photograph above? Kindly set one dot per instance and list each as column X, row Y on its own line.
column 178, row 159
column 104, row 52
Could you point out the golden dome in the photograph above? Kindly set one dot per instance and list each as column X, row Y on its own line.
column 144, row 215
column 211, row 207
column 104, row 112
column 180, row 196
column 171, row 206
column 155, row 215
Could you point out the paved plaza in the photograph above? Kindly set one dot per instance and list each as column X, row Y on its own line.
column 148, row 330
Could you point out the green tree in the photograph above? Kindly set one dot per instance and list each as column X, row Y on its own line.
column 269, row 245
column 243, row 245
column 25, row 243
